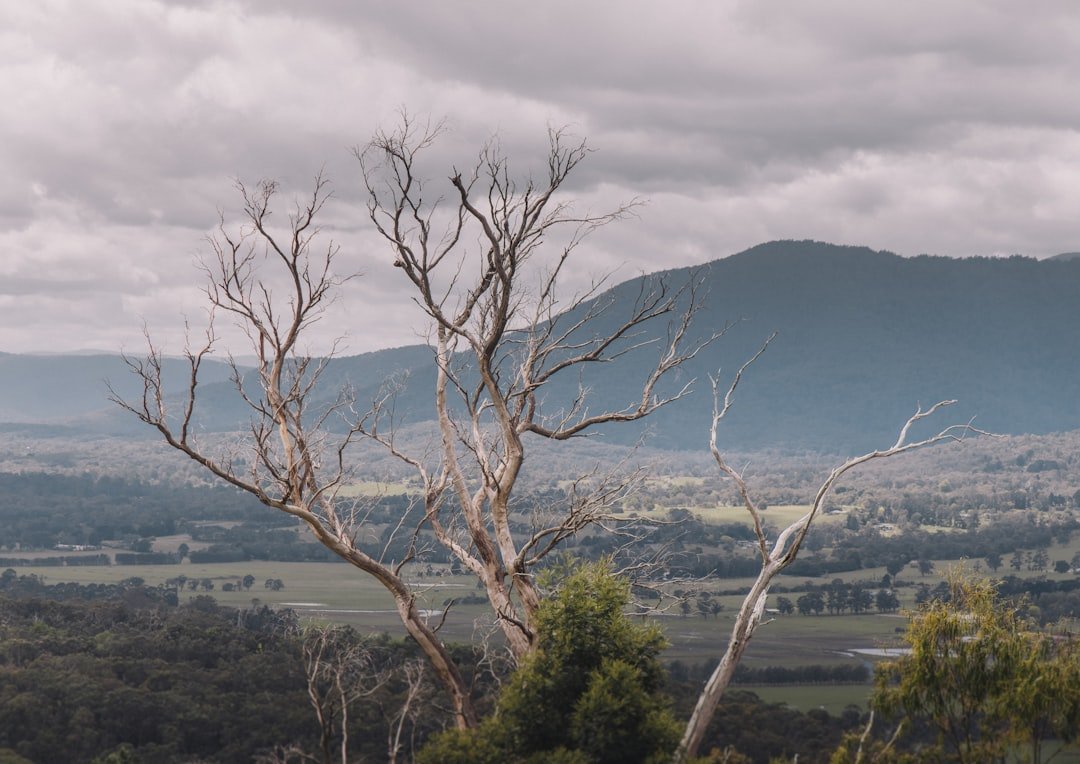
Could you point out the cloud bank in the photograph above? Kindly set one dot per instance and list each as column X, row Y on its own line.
column 944, row 128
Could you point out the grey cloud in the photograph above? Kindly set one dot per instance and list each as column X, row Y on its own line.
column 601, row 65
column 914, row 127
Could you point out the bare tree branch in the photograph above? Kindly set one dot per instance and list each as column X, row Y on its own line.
column 502, row 333
column 783, row 551
column 276, row 288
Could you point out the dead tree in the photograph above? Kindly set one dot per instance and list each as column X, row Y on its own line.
column 778, row 554
column 502, row 332
column 276, row 287
column 340, row 670
column 409, row 709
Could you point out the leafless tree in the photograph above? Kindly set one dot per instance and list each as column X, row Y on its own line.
column 410, row 707
column 284, row 754
column 340, row 670
column 276, row 287
column 778, row 554
column 502, row 332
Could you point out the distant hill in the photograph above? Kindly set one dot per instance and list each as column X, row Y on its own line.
column 863, row 337
column 58, row 388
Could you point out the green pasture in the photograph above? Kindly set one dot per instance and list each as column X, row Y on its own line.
column 172, row 543
column 38, row 554
column 336, row 592
column 674, row 481
column 791, row 640
column 655, row 482
column 322, row 590
column 373, row 488
column 834, row 698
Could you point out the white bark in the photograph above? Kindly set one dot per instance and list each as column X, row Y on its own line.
column 778, row 555
column 501, row 333
column 291, row 467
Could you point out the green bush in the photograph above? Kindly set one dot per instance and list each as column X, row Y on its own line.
column 589, row 694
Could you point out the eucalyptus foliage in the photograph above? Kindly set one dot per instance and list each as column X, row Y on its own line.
column 591, row 693
column 986, row 681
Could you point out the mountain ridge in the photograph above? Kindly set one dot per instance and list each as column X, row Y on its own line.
column 864, row 336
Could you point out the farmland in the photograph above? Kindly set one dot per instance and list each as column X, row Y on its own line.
column 334, row 592
column 886, row 530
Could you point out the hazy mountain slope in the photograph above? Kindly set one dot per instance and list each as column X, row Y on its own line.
column 37, row 388
column 863, row 336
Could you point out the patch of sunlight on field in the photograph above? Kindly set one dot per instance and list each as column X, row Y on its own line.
column 675, row 481
column 372, row 488
column 780, row 515
column 941, row 529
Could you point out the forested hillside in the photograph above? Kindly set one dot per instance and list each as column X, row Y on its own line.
column 863, row 337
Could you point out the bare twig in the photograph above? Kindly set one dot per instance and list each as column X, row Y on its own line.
column 502, row 333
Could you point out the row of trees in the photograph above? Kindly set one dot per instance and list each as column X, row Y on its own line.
column 839, row 599
column 505, row 337
column 44, row 510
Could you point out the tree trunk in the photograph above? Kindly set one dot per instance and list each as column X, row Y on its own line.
column 439, row 658
column 745, row 623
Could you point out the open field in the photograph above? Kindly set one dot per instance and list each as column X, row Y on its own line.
column 329, row 591
column 373, row 488
column 656, row 482
column 333, row 591
column 172, row 543
column 834, row 698
column 38, row 554
column 780, row 515
column 792, row 640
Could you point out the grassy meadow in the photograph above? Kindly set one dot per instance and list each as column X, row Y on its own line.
column 336, row 592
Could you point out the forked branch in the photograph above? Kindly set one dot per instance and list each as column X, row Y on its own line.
column 502, row 334
column 276, row 288
column 778, row 555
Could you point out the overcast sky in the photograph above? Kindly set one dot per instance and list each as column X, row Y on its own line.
column 919, row 127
